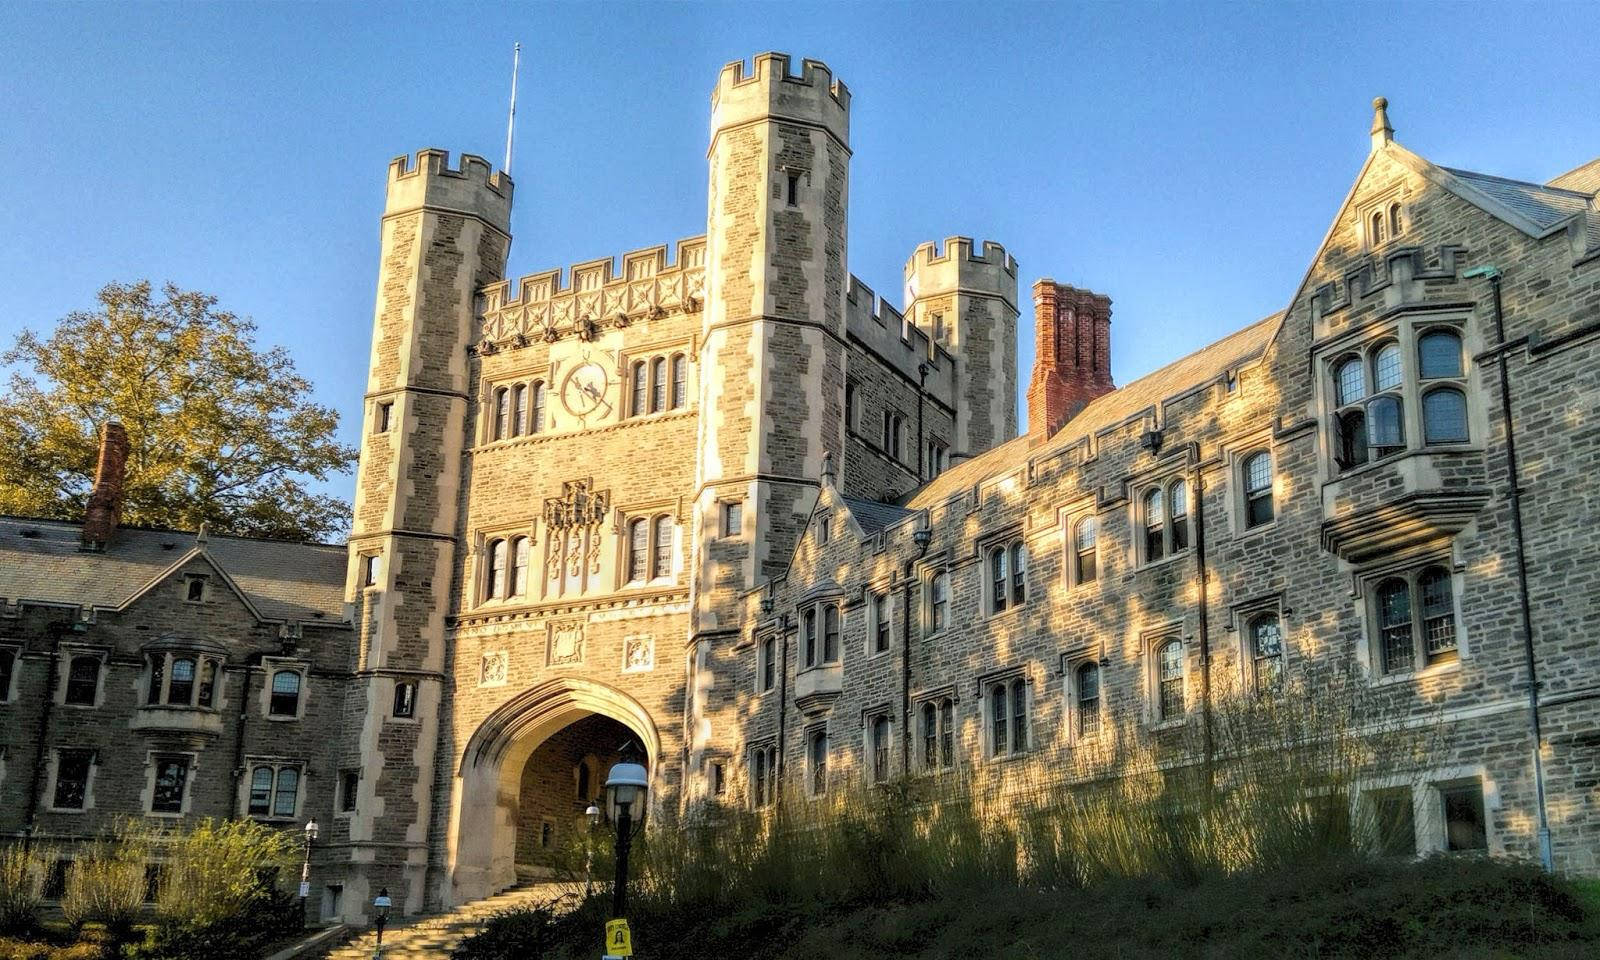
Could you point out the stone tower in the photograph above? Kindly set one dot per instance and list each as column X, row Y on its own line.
column 445, row 236
column 772, row 354
column 966, row 301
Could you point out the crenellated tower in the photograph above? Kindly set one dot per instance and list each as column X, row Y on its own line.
column 965, row 299
column 772, row 333
column 445, row 234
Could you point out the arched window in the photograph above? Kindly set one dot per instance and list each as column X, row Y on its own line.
column 1154, row 526
column 285, row 700
column 83, row 681
column 1396, row 220
column 1438, row 615
column 180, row 688
column 680, row 381
column 830, row 634
column 947, row 733
column 283, row 801
column 1438, row 355
column 1266, row 652
column 158, row 675
column 494, row 585
column 1350, row 381
column 809, row 635
column 519, row 410
column 519, row 567
column 1178, row 515
column 260, row 792
column 536, row 420
column 930, row 736
column 1083, row 540
column 502, row 413
column 1386, row 368
column 661, row 561
column 658, row 384
column 208, row 683
column 583, row 782
column 819, row 763
column 880, row 749
column 1444, row 416
column 850, row 419
column 638, row 550
column 999, row 714
column 639, row 391
column 1375, row 231
column 1257, row 489
column 999, row 578
column 1087, row 683
column 939, row 602
column 769, row 663
column 1394, row 626
column 758, row 777
column 1169, row 679
column 1019, row 574
column 1352, row 439
column 1386, row 430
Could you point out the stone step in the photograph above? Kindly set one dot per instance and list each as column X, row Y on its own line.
column 432, row 937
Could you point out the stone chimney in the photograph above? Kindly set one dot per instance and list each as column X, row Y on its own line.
column 1072, row 356
column 105, row 500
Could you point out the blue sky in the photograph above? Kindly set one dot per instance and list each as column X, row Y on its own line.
column 1184, row 159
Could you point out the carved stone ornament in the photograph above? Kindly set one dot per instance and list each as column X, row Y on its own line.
column 492, row 671
column 638, row 654
column 580, row 505
column 566, row 643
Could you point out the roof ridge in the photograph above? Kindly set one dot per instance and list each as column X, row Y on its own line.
column 137, row 528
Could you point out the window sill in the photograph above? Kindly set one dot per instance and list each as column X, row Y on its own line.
column 1009, row 611
column 1426, row 673
column 1356, row 471
column 1007, row 757
column 1155, row 726
column 1260, row 529
column 402, row 720
column 1164, row 561
column 67, row 811
column 165, row 814
column 281, row 718
column 264, row 818
column 876, row 654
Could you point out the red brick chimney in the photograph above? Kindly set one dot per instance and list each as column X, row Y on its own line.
column 105, row 500
column 1072, row 356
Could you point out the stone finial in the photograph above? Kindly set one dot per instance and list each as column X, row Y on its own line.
column 1382, row 132
column 203, row 534
column 827, row 470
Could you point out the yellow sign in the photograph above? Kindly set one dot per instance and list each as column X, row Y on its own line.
column 619, row 942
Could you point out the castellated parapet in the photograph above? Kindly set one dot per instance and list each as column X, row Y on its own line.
column 769, row 92
column 956, row 267
column 475, row 188
column 885, row 331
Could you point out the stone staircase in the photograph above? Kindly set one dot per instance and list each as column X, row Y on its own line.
column 432, row 937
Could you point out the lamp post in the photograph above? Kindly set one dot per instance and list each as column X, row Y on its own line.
column 626, row 787
column 381, row 904
column 592, row 815
column 305, row 868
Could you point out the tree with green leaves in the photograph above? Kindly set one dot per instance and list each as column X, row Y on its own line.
column 220, row 432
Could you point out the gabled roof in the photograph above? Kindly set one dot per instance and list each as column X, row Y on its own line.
column 1109, row 410
column 1545, row 207
column 40, row 562
column 1584, row 178
column 874, row 516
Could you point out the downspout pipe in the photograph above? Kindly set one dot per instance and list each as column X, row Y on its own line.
column 783, row 708
column 1492, row 274
column 922, row 448
column 30, row 822
column 921, row 536
column 1205, row 622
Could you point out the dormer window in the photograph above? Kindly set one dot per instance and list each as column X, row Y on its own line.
column 194, row 588
column 1376, row 391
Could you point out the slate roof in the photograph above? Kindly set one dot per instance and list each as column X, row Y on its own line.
column 1110, row 410
column 1544, row 206
column 285, row 581
column 874, row 516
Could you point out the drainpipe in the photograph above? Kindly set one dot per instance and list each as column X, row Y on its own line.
column 1492, row 273
column 921, row 537
column 1205, row 623
column 238, row 739
column 29, row 821
column 783, row 707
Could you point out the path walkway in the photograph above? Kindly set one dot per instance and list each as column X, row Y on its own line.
column 432, row 937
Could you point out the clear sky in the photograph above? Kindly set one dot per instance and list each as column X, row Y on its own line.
column 1184, row 159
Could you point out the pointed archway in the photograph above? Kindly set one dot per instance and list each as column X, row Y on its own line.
column 481, row 848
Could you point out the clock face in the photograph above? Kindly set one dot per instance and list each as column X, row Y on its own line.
column 584, row 393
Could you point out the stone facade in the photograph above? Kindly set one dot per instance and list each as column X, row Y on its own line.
column 728, row 502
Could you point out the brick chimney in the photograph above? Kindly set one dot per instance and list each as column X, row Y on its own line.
column 105, row 500
column 1072, row 356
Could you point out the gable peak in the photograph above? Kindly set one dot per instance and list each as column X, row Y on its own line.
column 1382, row 130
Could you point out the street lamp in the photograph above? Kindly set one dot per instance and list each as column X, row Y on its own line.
column 381, row 904
column 592, row 815
column 305, row 868
column 626, row 787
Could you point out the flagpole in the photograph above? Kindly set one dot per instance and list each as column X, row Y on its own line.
column 511, row 121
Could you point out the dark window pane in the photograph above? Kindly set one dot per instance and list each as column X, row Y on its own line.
column 285, row 700
column 997, row 719
column 405, row 699
column 157, row 677
column 83, row 681
column 1019, row 716
column 1088, row 700
column 72, row 779
column 1266, row 647
column 1386, row 370
column 997, row 579
column 1351, row 381
column 1019, row 571
column 1394, row 626
column 638, row 551
column 349, row 789
column 830, row 634
column 1464, row 825
column 1444, row 416
column 1386, row 429
column 1439, row 355
column 1352, row 439
column 180, row 689
column 947, row 733
column 172, row 775
column 1393, row 822
column 1438, row 614
column 260, row 791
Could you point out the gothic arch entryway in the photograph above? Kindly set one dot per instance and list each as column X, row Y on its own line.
column 486, row 799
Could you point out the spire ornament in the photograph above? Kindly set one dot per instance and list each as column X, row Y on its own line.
column 1382, row 131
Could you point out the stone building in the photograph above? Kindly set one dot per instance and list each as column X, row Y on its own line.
column 732, row 506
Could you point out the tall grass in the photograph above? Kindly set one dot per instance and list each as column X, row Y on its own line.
column 1261, row 783
column 106, row 884
column 22, row 875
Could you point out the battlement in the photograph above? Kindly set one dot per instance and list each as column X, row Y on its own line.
column 473, row 187
column 597, row 292
column 772, row 67
column 959, row 250
column 875, row 322
column 767, row 89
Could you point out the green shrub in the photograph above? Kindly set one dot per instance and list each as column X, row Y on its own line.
column 523, row 933
column 106, row 884
column 35, row 950
column 22, row 874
